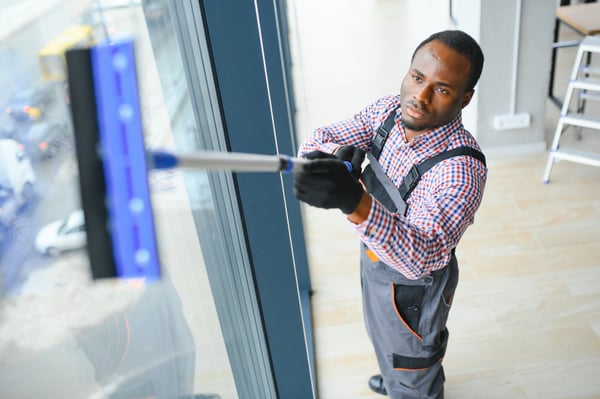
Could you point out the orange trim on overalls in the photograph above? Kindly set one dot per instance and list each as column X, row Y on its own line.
column 371, row 255
column 421, row 369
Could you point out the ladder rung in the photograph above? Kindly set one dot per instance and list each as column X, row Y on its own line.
column 585, row 84
column 590, row 70
column 589, row 96
column 592, row 122
column 590, row 43
column 576, row 156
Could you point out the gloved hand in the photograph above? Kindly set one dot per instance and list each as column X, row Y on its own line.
column 319, row 155
column 354, row 155
column 326, row 183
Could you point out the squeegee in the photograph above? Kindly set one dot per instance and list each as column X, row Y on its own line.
column 114, row 163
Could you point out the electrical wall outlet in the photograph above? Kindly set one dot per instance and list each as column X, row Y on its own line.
column 512, row 121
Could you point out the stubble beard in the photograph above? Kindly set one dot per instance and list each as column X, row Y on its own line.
column 410, row 126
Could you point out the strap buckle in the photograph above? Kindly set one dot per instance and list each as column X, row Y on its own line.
column 378, row 141
column 409, row 182
column 382, row 133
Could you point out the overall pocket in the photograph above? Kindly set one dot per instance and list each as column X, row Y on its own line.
column 408, row 300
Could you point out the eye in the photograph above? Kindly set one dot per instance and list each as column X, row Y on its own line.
column 417, row 78
column 443, row 90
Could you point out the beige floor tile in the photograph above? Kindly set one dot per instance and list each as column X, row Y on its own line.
column 505, row 382
column 575, row 379
column 583, row 282
column 596, row 327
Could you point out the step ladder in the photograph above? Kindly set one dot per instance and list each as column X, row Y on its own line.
column 587, row 88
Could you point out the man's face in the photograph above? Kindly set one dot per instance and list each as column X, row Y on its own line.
column 434, row 90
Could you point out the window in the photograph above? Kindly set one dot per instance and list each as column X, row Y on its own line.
column 62, row 333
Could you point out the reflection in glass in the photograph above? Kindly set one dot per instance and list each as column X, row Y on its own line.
column 61, row 334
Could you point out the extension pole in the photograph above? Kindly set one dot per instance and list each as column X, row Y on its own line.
column 234, row 161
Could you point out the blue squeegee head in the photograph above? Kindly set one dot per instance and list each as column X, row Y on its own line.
column 124, row 160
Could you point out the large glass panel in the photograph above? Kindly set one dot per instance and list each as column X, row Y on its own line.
column 62, row 334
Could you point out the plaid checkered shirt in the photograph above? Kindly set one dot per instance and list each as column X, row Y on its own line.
column 440, row 208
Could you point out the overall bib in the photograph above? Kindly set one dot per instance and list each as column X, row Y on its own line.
column 406, row 319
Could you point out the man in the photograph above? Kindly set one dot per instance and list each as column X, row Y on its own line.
column 410, row 206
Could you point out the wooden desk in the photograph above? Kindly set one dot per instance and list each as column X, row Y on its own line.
column 583, row 19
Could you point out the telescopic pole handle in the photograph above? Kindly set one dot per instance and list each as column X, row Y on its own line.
column 234, row 161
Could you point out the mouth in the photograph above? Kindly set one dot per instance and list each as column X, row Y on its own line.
column 414, row 111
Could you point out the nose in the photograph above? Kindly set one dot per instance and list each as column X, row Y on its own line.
column 423, row 94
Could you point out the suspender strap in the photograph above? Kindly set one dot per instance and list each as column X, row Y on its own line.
column 382, row 134
column 411, row 180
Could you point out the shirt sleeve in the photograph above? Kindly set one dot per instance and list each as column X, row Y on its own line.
column 421, row 242
column 358, row 130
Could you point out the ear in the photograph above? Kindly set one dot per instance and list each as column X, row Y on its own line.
column 467, row 98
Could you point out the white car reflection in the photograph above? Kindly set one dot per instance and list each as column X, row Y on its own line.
column 62, row 235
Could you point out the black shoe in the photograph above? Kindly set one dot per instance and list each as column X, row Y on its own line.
column 376, row 384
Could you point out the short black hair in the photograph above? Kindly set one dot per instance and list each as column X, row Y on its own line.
column 465, row 45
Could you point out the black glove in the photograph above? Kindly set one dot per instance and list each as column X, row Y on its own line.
column 319, row 155
column 326, row 183
column 354, row 155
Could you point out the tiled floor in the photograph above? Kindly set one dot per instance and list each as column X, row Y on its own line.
column 526, row 318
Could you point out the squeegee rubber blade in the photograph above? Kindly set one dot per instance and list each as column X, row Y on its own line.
column 91, row 172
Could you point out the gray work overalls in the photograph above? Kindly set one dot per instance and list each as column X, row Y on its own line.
column 406, row 319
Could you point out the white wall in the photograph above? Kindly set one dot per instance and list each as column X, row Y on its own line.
column 493, row 24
